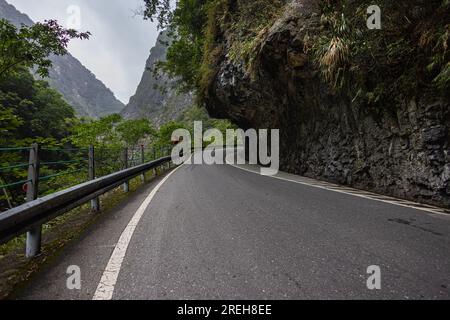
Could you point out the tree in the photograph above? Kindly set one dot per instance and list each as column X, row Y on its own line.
column 132, row 131
column 52, row 109
column 159, row 10
column 41, row 110
column 30, row 111
column 109, row 136
column 31, row 46
column 165, row 133
column 186, row 24
column 9, row 123
column 111, row 132
column 98, row 133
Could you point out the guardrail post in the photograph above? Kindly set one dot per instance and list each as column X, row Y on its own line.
column 168, row 153
column 162, row 155
column 34, row 235
column 142, row 162
column 126, row 185
column 155, row 172
column 95, row 203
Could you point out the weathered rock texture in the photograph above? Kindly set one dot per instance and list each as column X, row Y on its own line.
column 405, row 153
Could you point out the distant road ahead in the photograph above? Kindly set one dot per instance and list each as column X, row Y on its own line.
column 219, row 232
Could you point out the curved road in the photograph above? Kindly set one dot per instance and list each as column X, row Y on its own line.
column 219, row 232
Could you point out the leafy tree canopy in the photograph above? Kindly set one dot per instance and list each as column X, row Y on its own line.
column 31, row 46
column 31, row 109
column 111, row 132
column 186, row 23
column 132, row 131
column 409, row 55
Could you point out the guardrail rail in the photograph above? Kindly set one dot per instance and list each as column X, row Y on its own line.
column 29, row 217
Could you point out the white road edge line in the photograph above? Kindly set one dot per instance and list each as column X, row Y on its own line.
column 393, row 201
column 105, row 288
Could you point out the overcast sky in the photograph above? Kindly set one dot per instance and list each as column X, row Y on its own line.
column 120, row 41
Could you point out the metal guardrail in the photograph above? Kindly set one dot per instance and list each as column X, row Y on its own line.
column 33, row 214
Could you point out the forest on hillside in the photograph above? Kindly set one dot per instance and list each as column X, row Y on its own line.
column 33, row 113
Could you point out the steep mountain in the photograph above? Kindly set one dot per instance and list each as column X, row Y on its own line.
column 79, row 86
column 155, row 97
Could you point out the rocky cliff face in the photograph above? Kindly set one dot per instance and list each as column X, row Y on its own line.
column 79, row 87
column 156, row 98
column 405, row 153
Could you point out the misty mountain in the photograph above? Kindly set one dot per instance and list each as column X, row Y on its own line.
column 79, row 86
column 156, row 97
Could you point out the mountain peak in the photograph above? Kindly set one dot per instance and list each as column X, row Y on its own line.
column 156, row 97
column 78, row 85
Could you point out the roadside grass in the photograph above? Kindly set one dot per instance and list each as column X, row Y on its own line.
column 16, row 270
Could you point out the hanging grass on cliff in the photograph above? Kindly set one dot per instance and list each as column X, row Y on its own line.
column 409, row 53
column 197, row 27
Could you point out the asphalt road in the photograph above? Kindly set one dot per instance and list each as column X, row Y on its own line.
column 219, row 232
